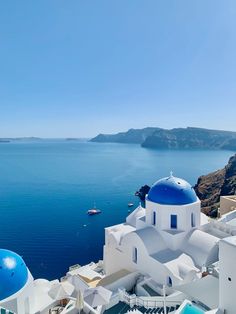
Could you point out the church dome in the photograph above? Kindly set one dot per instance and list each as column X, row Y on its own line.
column 172, row 191
column 13, row 273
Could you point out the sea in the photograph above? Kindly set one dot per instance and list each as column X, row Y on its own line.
column 47, row 186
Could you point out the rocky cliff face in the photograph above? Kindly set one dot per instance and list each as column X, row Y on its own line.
column 191, row 138
column 179, row 138
column 210, row 187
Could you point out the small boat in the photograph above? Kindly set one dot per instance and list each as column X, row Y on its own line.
column 130, row 204
column 94, row 211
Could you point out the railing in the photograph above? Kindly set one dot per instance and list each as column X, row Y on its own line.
column 4, row 311
column 73, row 267
column 147, row 302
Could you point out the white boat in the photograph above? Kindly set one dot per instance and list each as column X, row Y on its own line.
column 94, row 211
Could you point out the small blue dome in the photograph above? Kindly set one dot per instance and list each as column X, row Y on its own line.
column 172, row 191
column 13, row 273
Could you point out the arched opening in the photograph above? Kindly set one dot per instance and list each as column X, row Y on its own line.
column 193, row 221
column 173, row 221
column 154, row 218
column 135, row 255
column 169, row 282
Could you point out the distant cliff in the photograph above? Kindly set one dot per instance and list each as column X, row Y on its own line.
column 210, row 187
column 10, row 139
column 133, row 136
column 179, row 138
column 4, row 141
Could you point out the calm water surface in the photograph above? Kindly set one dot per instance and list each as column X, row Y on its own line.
column 46, row 187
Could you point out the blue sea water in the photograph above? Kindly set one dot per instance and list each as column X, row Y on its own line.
column 46, row 187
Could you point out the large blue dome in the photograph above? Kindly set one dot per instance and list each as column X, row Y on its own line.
column 172, row 191
column 13, row 273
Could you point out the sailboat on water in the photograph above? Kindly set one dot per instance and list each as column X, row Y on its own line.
column 94, row 210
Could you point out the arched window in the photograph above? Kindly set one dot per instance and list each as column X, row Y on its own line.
column 173, row 221
column 169, row 282
column 154, row 218
column 135, row 255
column 193, row 222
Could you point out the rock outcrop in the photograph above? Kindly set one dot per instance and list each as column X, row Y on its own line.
column 142, row 192
column 210, row 187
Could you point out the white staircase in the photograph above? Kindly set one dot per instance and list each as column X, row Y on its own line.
column 148, row 305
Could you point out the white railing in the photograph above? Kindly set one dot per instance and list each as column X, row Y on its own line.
column 147, row 302
column 4, row 311
column 73, row 267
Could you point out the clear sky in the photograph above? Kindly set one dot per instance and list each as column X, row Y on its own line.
column 75, row 68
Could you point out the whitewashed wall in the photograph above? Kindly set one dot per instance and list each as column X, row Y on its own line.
column 227, row 254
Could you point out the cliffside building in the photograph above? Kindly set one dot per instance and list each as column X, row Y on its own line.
column 167, row 257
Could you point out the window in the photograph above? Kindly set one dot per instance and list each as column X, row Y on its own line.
column 169, row 282
column 135, row 255
column 173, row 221
column 193, row 222
column 154, row 218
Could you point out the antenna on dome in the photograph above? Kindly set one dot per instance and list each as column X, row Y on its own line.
column 171, row 173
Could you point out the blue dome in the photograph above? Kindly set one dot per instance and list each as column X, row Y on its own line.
column 13, row 273
column 172, row 191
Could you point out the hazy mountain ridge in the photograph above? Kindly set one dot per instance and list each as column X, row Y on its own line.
column 178, row 138
column 132, row 136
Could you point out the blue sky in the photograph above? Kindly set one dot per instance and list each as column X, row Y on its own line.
column 82, row 67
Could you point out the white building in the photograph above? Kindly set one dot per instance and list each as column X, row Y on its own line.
column 16, row 282
column 167, row 256
column 164, row 239
column 227, row 284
